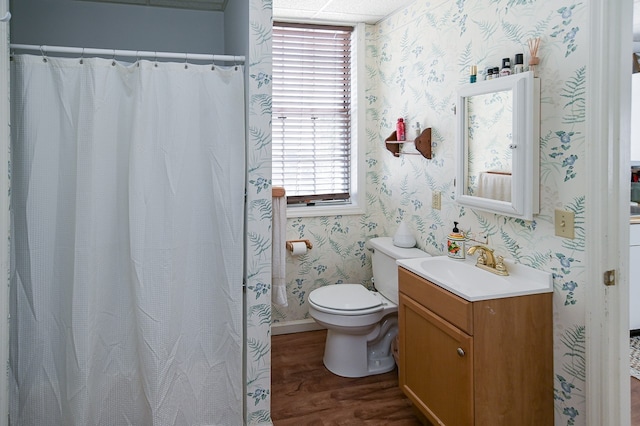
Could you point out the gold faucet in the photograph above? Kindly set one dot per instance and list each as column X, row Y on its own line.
column 487, row 261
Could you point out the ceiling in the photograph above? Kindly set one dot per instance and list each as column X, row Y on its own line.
column 348, row 11
column 343, row 11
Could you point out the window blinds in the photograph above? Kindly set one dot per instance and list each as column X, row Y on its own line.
column 311, row 126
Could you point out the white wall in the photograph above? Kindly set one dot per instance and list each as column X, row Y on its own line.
column 635, row 117
column 236, row 21
column 116, row 26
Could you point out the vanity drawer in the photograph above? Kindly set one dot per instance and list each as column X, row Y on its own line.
column 450, row 307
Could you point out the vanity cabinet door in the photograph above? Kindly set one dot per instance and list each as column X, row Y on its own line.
column 436, row 365
column 487, row 362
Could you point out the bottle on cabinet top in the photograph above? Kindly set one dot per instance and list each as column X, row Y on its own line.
column 506, row 67
column 518, row 67
column 489, row 74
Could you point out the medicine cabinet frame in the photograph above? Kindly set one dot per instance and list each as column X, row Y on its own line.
column 524, row 146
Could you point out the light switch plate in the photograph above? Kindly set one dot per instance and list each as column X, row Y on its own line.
column 436, row 200
column 565, row 223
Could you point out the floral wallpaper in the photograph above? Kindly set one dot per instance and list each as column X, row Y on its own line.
column 258, row 217
column 416, row 60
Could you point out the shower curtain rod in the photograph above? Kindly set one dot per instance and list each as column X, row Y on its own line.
column 130, row 53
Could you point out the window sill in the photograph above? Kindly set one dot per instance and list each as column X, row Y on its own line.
column 324, row 210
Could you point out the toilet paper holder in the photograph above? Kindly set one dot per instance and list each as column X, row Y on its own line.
column 289, row 244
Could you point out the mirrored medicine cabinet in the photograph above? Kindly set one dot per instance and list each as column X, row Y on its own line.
column 498, row 145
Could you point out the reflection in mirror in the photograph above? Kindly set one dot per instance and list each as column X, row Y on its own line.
column 498, row 145
column 489, row 137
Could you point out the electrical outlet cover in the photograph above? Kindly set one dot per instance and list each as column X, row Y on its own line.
column 565, row 224
column 436, row 200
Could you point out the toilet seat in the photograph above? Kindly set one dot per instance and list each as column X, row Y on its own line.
column 346, row 299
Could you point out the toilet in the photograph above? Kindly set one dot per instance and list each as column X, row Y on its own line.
column 361, row 324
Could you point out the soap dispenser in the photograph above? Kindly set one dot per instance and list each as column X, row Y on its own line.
column 455, row 243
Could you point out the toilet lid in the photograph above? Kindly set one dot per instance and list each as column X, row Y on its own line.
column 345, row 297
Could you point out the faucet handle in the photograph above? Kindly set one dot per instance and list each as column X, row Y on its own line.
column 500, row 266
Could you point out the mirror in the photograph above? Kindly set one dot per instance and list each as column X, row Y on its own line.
column 489, row 136
column 498, row 145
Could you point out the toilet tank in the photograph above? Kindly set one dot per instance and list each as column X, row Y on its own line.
column 383, row 262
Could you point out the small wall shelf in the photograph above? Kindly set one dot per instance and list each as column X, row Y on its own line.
column 423, row 144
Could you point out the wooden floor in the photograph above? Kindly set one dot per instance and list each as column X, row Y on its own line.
column 304, row 392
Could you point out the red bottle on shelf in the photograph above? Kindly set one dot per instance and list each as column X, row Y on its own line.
column 400, row 131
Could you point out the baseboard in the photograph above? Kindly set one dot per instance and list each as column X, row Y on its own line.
column 297, row 326
column 634, row 333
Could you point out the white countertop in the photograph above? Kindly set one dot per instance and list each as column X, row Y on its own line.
column 463, row 278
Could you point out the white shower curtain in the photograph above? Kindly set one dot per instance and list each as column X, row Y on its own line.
column 127, row 219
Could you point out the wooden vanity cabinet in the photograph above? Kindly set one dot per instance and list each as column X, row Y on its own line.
column 482, row 363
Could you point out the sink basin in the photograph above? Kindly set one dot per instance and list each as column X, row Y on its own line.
column 464, row 279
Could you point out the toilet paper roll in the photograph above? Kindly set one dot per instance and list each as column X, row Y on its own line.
column 299, row 248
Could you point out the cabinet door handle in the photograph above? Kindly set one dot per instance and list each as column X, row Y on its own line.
column 460, row 351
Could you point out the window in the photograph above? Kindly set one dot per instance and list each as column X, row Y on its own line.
column 312, row 122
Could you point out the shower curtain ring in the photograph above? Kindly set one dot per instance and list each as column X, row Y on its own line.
column 43, row 53
column 213, row 62
column 113, row 58
column 137, row 58
column 155, row 59
column 82, row 56
column 186, row 57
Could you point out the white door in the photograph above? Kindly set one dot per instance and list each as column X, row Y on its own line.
column 608, row 118
column 4, row 206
